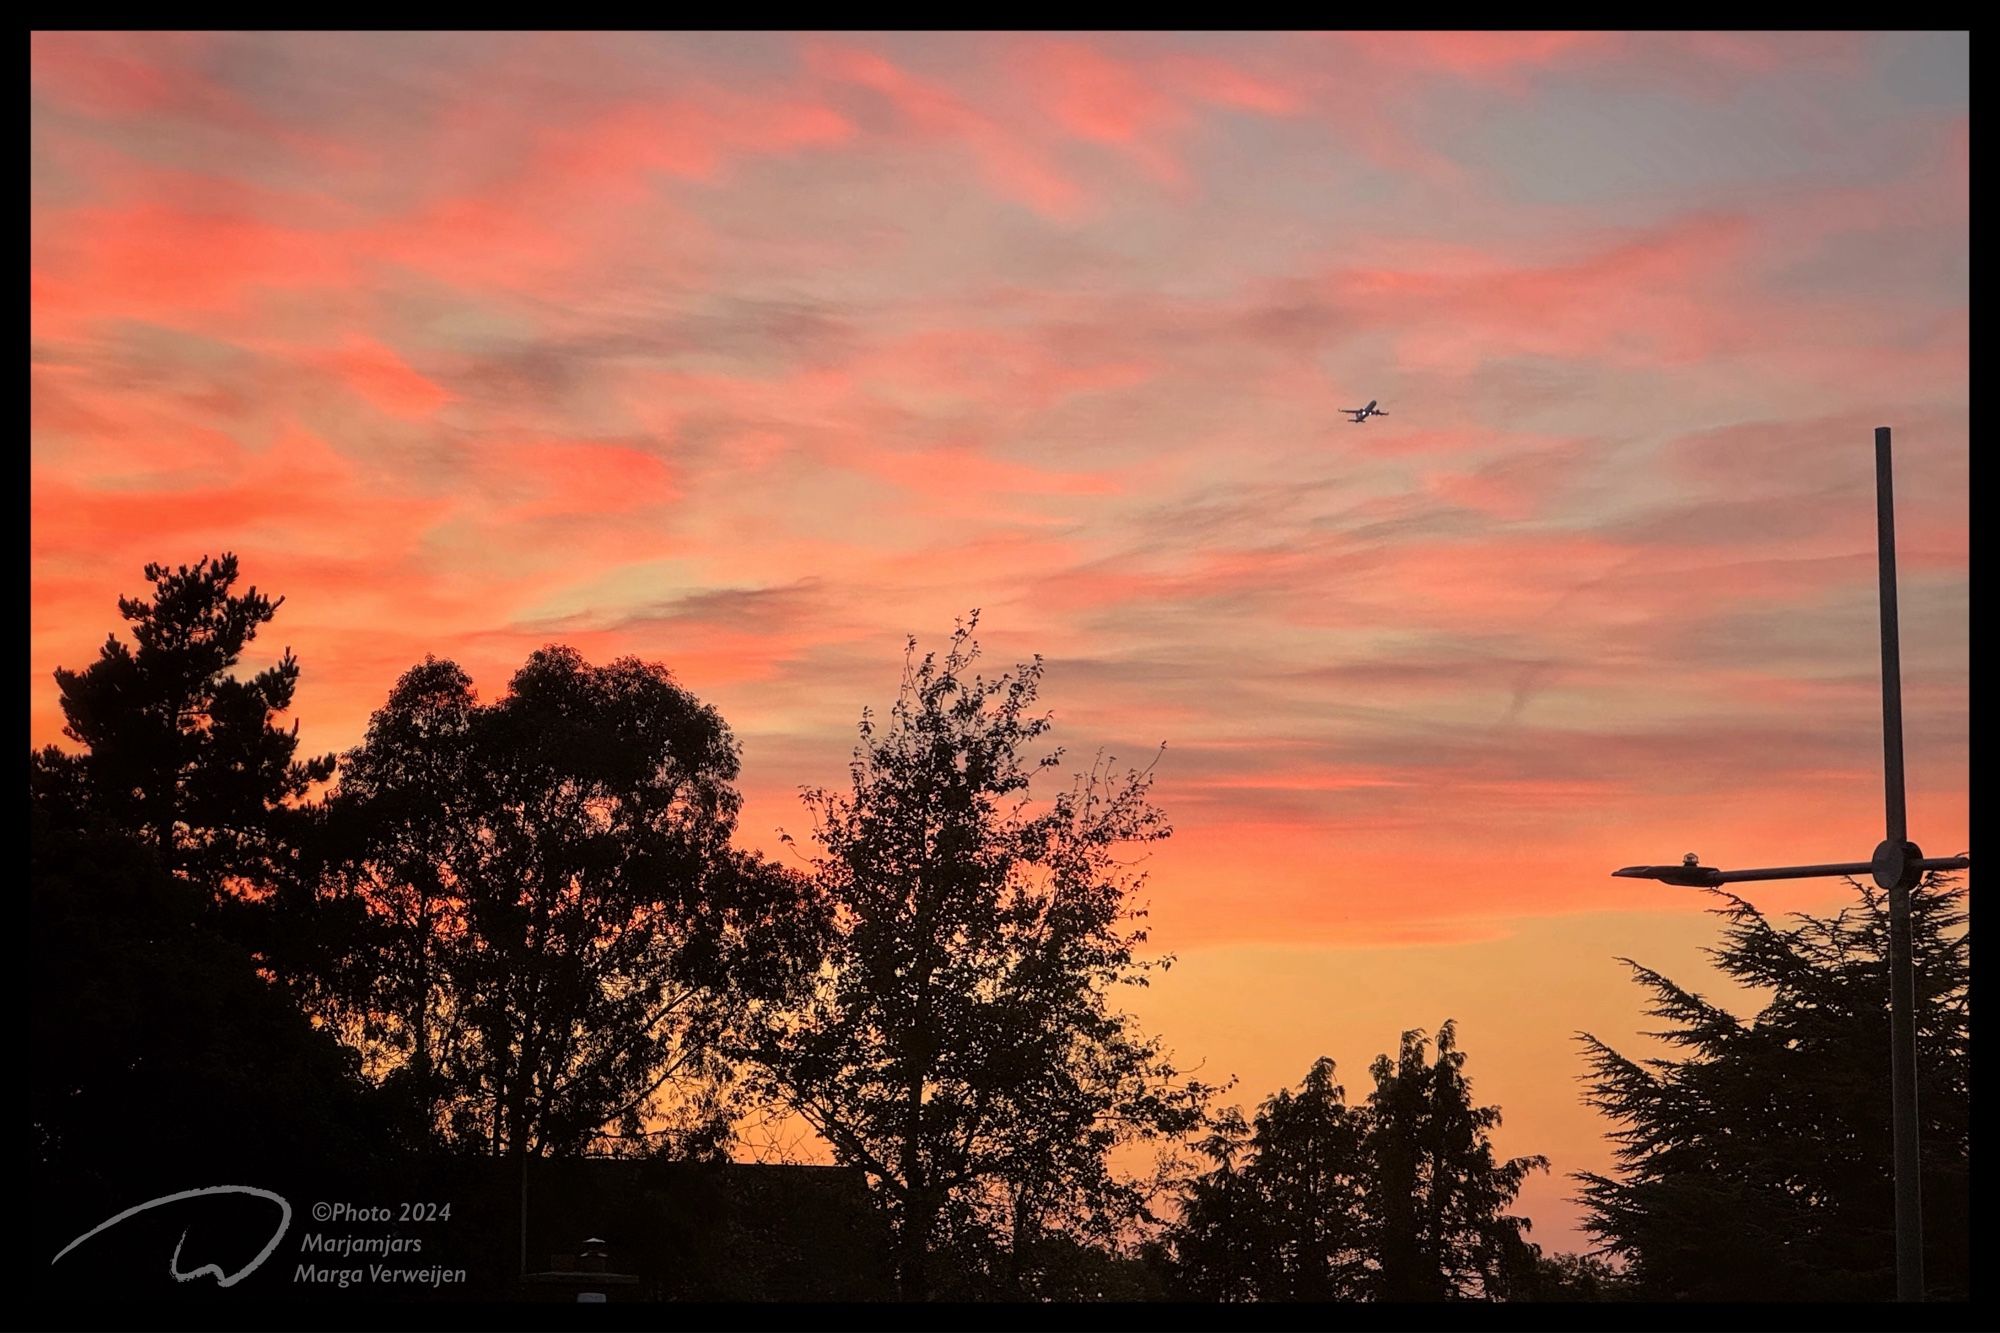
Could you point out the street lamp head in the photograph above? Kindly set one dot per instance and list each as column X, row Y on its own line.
column 1690, row 873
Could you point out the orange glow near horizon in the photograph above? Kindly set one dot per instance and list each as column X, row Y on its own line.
column 754, row 353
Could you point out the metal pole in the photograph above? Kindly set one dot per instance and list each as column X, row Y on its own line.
column 1902, row 976
column 1892, row 655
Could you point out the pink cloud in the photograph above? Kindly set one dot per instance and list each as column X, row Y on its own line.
column 692, row 138
column 299, row 490
column 1093, row 97
column 121, row 74
column 1007, row 159
column 162, row 262
column 1225, row 84
column 380, row 375
column 1492, row 56
column 582, row 478
column 969, row 475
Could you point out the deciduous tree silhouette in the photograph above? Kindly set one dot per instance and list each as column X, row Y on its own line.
column 549, row 940
column 962, row 1045
column 1757, row 1164
column 178, row 751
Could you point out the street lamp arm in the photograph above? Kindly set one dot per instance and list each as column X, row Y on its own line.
column 1850, row 868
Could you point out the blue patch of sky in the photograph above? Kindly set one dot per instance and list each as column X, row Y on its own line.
column 1578, row 141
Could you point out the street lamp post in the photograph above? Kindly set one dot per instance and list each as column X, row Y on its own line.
column 1897, row 866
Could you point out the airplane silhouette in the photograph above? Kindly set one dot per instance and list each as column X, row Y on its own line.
column 1361, row 414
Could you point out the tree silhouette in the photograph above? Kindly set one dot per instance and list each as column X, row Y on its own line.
column 1437, row 1193
column 546, row 937
column 157, row 1050
column 1570, row 1278
column 1400, row 1199
column 179, row 752
column 1281, row 1215
column 157, row 1045
column 961, row 1045
column 1757, row 1165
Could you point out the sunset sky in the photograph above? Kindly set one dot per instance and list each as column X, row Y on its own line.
column 754, row 353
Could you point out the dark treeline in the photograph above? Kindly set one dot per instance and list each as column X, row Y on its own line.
column 517, row 927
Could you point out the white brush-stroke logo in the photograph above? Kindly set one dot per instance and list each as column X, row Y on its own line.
column 222, row 1279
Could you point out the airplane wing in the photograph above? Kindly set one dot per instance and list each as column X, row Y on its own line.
column 1378, row 412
